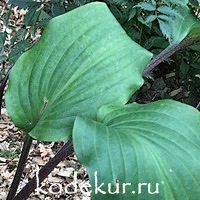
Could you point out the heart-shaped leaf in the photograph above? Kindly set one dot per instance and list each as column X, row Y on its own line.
column 141, row 151
column 83, row 61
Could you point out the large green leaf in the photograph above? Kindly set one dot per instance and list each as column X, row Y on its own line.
column 83, row 61
column 156, row 143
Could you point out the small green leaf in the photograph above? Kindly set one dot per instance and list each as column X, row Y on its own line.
column 195, row 47
column 177, row 2
column 44, row 15
column 165, row 28
column 80, row 2
column 156, row 41
column 57, row 9
column 7, row 17
column 153, row 2
column 24, row 44
column 43, row 19
column 165, row 18
column 196, row 66
column 24, row 3
column 116, row 2
column 146, row 6
column 168, row 11
column 31, row 16
column 184, row 69
column 20, row 35
column 156, row 144
column 80, row 63
column 3, row 58
column 150, row 18
column 3, row 36
column 132, row 13
column 19, row 48
column 195, row 2
column 195, row 31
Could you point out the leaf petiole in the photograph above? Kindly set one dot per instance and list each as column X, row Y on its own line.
column 25, row 151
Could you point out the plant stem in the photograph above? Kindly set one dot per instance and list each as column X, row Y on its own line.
column 64, row 152
column 20, row 167
column 3, row 85
column 166, row 53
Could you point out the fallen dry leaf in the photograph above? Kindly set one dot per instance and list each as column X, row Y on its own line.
column 66, row 173
column 38, row 161
column 175, row 92
column 2, row 159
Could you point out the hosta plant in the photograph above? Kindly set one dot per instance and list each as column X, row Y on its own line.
column 74, row 84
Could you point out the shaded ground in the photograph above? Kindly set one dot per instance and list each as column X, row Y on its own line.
column 167, row 85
